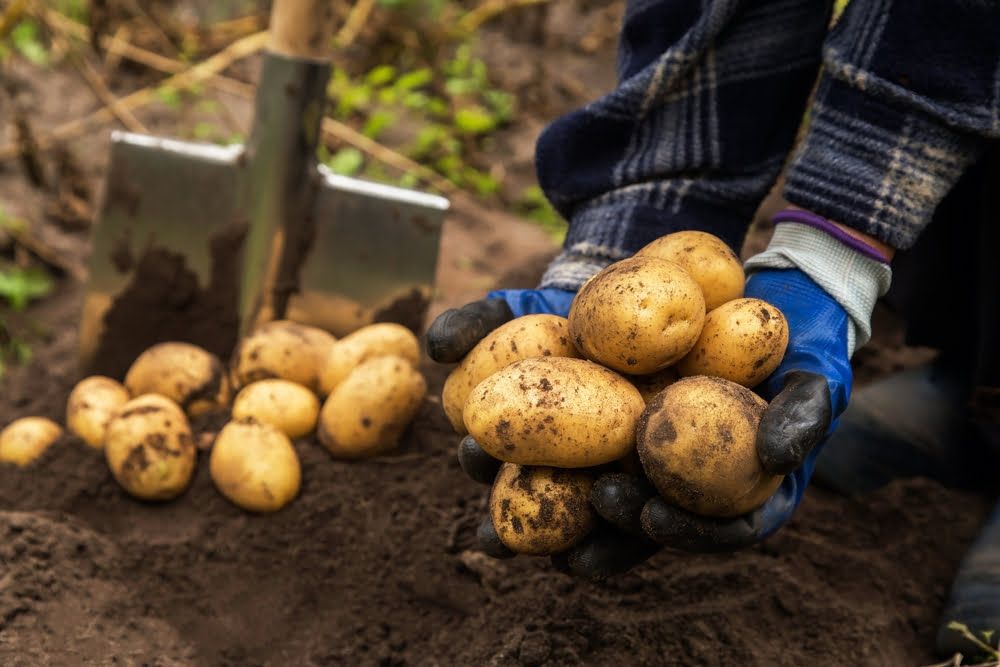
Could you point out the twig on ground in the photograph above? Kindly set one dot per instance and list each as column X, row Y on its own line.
column 489, row 10
column 106, row 97
column 356, row 20
column 11, row 16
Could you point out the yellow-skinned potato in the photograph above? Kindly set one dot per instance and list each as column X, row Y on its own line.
column 289, row 407
column 554, row 411
column 192, row 377
column 521, row 338
column 255, row 466
column 651, row 385
column 637, row 316
column 712, row 263
column 367, row 413
column 90, row 406
column 25, row 439
column 149, row 448
column 374, row 340
column 742, row 341
column 696, row 441
column 538, row 510
column 282, row 349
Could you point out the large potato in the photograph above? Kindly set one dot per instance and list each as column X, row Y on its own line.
column 90, row 406
column 255, row 466
column 367, row 413
column 25, row 439
column 554, row 411
column 742, row 341
column 537, row 510
column 375, row 340
column 521, row 338
column 149, row 448
column 289, row 407
column 712, row 263
column 696, row 441
column 282, row 349
column 186, row 374
column 638, row 315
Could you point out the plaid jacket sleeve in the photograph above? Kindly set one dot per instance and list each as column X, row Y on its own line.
column 712, row 92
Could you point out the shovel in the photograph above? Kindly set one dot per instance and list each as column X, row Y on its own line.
column 200, row 243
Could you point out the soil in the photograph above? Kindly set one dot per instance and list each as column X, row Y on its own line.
column 374, row 563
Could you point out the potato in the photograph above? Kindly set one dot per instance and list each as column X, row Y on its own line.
column 651, row 385
column 375, row 340
column 90, row 406
column 712, row 263
column 367, row 413
column 186, row 374
column 742, row 341
column 289, row 407
column 282, row 349
column 255, row 466
column 521, row 338
column 553, row 411
column 27, row 438
column 540, row 511
column 696, row 441
column 149, row 448
column 637, row 316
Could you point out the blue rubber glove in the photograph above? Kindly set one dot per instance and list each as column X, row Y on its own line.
column 532, row 301
column 806, row 393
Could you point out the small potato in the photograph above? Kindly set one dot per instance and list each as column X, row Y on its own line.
column 282, row 349
column 637, row 316
column 367, row 413
column 696, row 441
column 712, row 263
column 651, row 385
column 742, row 341
column 289, row 407
column 27, row 438
column 553, row 411
column 90, row 406
column 186, row 374
column 522, row 338
column 375, row 340
column 541, row 511
column 255, row 466
column 149, row 448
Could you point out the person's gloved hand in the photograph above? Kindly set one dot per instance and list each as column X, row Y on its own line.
column 457, row 330
column 807, row 392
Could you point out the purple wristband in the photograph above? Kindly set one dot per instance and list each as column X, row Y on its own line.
column 822, row 224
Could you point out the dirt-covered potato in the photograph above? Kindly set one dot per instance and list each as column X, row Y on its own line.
column 367, row 413
column 554, row 411
column 255, row 466
column 374, row 340
column 638, row 315
column 712, row 263
column 289, row 407
column 192, row 377
column 651, row 385
column 90, row 406
column 25, row 439
column 742, row 341
column 282, row 349
column 522, row 338
column 696, row 441
column 538, row 510
column 149, row 448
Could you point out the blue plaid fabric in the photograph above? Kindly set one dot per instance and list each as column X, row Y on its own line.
column 711, row 95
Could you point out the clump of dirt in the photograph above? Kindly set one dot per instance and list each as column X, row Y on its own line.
column 372, row 564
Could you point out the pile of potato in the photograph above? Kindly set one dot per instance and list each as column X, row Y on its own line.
column 285, row 381
column 655, row 361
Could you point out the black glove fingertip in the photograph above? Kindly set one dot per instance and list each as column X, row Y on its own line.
column 619, row 499
column 604, row 553
column 476, row 463
column 457, row 330
column 489, row 541
column 794, row 422
column 674, row 527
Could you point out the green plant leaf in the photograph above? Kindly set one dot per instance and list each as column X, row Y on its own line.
column 378, row 121
column 381, row 75
column 418, row 78
column 346, row 161
column 474, row 120
column 26, row 40
column 21, row 286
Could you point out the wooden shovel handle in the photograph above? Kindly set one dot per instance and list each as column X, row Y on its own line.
column 302, row 28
